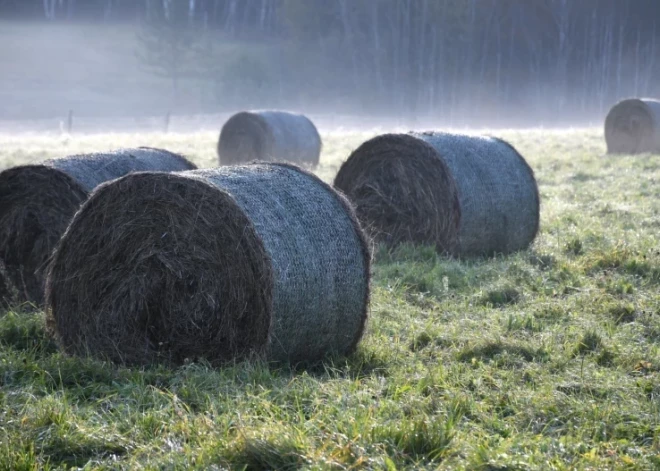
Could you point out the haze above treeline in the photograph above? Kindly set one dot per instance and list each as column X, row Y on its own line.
column 453, row 62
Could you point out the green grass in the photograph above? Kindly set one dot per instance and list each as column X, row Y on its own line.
column 547, row 359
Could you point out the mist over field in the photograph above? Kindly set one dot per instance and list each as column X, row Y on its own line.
column 362, row 63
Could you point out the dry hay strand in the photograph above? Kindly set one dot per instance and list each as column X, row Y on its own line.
column 220, row 264
column 5, row 296
column 466, row 195
column 38, row 201
column 273, row 136
column 8, row 291
column 633, row 127
column 4, row 293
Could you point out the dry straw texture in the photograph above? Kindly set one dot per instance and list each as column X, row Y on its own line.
column 219, row 264
column 7, row 290
column 4, row 292
column 38, row 201
column 273, row 136
column 633, row 127
column 402, row 192
column 423, row 187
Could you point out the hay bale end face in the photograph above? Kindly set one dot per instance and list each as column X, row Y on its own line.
column 38, row 202
column 272, row 136
column 466, row 195
column 402, row 192
column 632, row 126
column 219, row 264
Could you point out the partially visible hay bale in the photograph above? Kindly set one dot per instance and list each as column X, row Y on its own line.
column 633, row 127
column 273, row 136
column 38, row 201
column 219, row 264
column 465, row 195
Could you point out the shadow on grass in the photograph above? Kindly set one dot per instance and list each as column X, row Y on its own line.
column 501, row 297
column 577, row 389
column 623, row 260
column 34, row 360
column 589, row 342
column 361, row 364
column 425, row 339
column 76, row 450
column 498, row 352
column 261, row 454
column 26, row 332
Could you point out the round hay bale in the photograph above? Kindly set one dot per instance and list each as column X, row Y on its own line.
column 633, row 127
column 38, row 201
column 466, row 195
column 271, row 136
column 219, row 264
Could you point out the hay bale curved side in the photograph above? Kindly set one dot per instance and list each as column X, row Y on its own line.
column 403, row 192
column 38, row 201
column 217, row 264
column 275, row 136
column 497, row 191
column 320, row 258
column 632, row 126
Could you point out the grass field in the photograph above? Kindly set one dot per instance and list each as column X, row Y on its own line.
column 548, row 359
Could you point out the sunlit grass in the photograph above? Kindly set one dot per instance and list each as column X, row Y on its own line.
column 547, row 359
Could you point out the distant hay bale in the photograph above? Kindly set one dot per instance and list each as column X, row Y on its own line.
column 466, row 195
column 633, row 127
column 38, row 201
column 218, row 264
column 272, row 136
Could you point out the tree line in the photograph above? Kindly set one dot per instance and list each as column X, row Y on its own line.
column 459, row 59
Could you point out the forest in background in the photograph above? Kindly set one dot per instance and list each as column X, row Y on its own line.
column 515, row 62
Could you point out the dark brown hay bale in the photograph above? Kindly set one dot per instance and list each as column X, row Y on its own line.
column 218, row 264
column 465, row 195
column 273, row 136
column 38, row 201
column 633, row 127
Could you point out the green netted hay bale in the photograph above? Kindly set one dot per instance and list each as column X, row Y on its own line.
column 221, row 264
column 633, row 127
column 38, row 201
column 466, row 195
column 273, row 136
